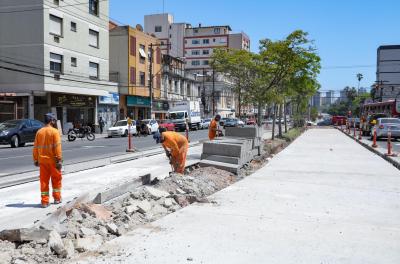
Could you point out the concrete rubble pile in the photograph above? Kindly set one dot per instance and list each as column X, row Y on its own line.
column 237, row 148
column 86, row 226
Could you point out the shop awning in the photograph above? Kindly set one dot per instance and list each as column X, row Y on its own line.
column 76, row 90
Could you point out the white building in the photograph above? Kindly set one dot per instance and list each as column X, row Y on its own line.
column 55, row 57
column 195, row 46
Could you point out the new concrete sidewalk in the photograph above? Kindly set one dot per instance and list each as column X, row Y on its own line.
column 324, row 199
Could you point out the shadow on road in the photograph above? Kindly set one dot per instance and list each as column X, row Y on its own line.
column 24, row 205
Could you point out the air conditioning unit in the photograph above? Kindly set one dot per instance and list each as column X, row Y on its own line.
column 57, row 39
column 57, row 76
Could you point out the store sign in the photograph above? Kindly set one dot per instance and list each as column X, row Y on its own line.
column 160, row 106
column 111, row 98
column 138, row 101
column 72, row 100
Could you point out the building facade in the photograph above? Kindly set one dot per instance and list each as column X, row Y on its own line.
column 239, row 41
column 55, row 58
column 135, row 63
column 387, row 73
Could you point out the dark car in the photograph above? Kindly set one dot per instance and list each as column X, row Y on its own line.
column 326, row 122
column 18, row 132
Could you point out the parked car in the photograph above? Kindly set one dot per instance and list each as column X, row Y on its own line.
column 310, row 123
column 222, row 121
column 167, row 124
column 240, row 123
column 18, row 132
column 121, row 129
column 152, row 125
column 326, row 122
column 205, row 123
column 384, row 125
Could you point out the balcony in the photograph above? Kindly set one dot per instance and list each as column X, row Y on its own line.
column 176, row 72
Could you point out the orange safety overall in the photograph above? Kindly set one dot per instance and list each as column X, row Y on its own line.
column 47, row 152
column 212, row 130
column 178, row 145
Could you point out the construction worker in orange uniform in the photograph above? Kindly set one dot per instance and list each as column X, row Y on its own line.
column 213, row 130
column 47, row 155
column 175, row 146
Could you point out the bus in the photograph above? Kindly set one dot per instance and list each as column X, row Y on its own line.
column 391, row 108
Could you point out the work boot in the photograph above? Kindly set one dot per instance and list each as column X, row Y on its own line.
column 45, row 205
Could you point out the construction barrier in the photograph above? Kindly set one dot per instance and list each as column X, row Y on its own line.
column 389, row 145
column 374, row 145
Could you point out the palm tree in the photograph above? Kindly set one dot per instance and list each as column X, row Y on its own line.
column 359, row 78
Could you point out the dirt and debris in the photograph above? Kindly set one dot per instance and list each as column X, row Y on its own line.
column 87, row 226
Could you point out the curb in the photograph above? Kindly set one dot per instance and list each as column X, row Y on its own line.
column 395, row 163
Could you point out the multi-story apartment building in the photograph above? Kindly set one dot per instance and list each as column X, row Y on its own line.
column 56, row 58
column 195, row 46
column 387, row 73
column 131, row 65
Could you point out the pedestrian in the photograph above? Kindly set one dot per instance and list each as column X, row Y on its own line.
column 48, row 157
column 101, row 124
column 213, row 130
column 175, row 146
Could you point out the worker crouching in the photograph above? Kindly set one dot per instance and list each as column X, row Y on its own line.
column 175, row 146
column 213, row 129
column 47, row 156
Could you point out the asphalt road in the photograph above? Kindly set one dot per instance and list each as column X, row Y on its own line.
column 19, row 160
column 383, row 144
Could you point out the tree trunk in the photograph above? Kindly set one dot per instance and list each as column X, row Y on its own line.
column 273, row 122
column 284, row 117
column 279, row 120
column 259, row 120
column 240, row 101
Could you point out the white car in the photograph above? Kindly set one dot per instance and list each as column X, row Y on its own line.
column 152, row 125
column 205, row 123
column 240, row 123
column 121, row 129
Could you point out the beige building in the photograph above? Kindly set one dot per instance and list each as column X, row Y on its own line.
column 135, row 63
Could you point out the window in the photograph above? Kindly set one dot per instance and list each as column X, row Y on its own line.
column 56, row 63
column 213, row 39
column 142, row 78
column 142, row 53
column 93, row 38
column 55, row 27
column 195, row 63
column 73, row 62
column 195, row 41
column 36, row 123
column 170, row 36
column 158, row 28
column 132, row 46
column 217, row 30
column 195, row 30
column 73, row 26
column 205, row 62
column 93, row 70
column 56, row 2
column 206, row 52
column 94, row 7
column 195, row 52
column 222, row 40
column 206, row 41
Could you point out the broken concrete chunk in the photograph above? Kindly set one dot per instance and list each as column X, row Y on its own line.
column 112, row 228
column 25, row 235
column 91, row 243
column 168, row 202
column 144, row 206
column 180, row 191
column 132, row 208
column 69, row 249
column 56, row 243
column 98, row 211
column 87, row 231
column 182, row 201
column 155, row 193
column 75, row 215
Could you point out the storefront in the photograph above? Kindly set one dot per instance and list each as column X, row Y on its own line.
column 13, row 106
column 74, row 110
column 138, row 107
column 160, row 109
column 107, row 110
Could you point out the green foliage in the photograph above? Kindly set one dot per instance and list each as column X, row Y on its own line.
column 314, row 113
column 352, row 102
column 293, row 133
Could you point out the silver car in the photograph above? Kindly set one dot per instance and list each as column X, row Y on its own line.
column 384, row 125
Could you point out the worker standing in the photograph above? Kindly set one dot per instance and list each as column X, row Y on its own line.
column 175, row 146
column 47, row 156
column 213, row 130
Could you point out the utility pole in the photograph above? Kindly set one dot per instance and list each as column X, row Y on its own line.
column 204, row 93
column 151, row 79
column 213, row 92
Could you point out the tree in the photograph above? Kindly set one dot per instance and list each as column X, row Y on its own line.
column 359, row 78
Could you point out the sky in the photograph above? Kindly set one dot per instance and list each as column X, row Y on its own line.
column 345, row 33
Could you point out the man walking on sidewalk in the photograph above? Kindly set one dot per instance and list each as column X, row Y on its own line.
column 175, row 146
column 213, row 130
column 47, row 155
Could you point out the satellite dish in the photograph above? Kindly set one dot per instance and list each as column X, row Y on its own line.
column 139, row 27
